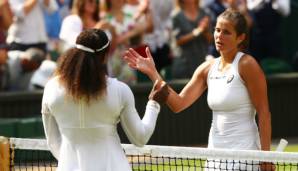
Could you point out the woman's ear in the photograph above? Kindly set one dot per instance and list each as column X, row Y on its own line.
column 241, row 38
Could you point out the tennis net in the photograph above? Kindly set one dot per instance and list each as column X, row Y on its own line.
column 33, row 154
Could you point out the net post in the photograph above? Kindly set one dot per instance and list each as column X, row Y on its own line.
column 4, row 154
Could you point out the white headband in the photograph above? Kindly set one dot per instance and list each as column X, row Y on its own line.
column 84, row 48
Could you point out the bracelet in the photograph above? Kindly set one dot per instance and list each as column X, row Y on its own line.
column 196, row 32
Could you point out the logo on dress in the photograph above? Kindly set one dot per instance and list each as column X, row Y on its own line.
column 230, row 79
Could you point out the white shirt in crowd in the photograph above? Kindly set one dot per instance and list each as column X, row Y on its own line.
column 71, row 27
column 30, row 28
column 162, row 21
column 282, row 6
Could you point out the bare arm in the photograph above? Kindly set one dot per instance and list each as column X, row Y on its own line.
column 201, row 30
column 46, row 2
column 250, row 71
column 29, row 5
column 191, row 92
column 6, row 14
column 138, row 29
column 140, row 130
column 185, row 38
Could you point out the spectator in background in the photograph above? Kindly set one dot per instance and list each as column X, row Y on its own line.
column 41, row 76
column 28, row 27
column 22, row 65
column 159, row 39
column 5, row 21
column 132, row 7
column 266, row 36
column 85, row 14
column 219, row 6
column 129, row 33
column 206, row 3
column 53, row 23
column 194, row 37
column 65, row 7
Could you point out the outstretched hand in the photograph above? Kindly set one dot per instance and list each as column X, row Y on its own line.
column 144, row 64
column 159, row 92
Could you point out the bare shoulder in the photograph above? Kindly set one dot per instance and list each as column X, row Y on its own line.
column 203, row 70
column 247, row 61
column 248, row 66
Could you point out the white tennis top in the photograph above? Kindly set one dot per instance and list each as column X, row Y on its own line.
column 85, row 138
column 233, row 124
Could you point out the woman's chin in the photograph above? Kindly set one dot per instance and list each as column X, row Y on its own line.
column 219, row 48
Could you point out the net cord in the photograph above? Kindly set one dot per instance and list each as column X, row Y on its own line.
column 177, row 151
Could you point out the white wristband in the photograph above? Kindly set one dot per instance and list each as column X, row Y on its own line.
column 196, row 31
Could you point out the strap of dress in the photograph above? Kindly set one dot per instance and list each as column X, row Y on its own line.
column 237, row 59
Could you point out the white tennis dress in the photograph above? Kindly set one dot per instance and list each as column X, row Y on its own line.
column 84, row 138
column 233, row 124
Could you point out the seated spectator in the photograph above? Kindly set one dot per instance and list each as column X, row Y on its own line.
column 21, row 67
column 42, row 75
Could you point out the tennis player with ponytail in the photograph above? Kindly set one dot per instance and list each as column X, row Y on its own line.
column 81, row 107
column 236, row 88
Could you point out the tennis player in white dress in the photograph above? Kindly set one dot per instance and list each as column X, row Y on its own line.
column 237, row 90
column 82, row 133
column 233, row 124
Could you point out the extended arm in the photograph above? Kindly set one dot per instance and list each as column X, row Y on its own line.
column 5, row 14
column 29, row 5
column 21, row 9
column 137, row 130
column 191, row 92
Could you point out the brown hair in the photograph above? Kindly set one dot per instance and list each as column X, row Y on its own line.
column 83, row 73
column 240, row 25
column 78, row 7
column 181, row 3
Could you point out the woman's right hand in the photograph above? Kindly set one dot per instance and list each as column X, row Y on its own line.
column 145, row 64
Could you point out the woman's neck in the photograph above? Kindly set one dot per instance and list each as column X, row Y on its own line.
column 88, row 21
column 190, row 8
column 228, row 57
column 191, row 11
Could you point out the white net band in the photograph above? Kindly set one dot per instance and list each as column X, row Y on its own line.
column 178, row 152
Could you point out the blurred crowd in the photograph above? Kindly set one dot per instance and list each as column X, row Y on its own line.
column 179, row 33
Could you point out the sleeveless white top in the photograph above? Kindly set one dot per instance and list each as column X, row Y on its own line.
column 233, row 124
